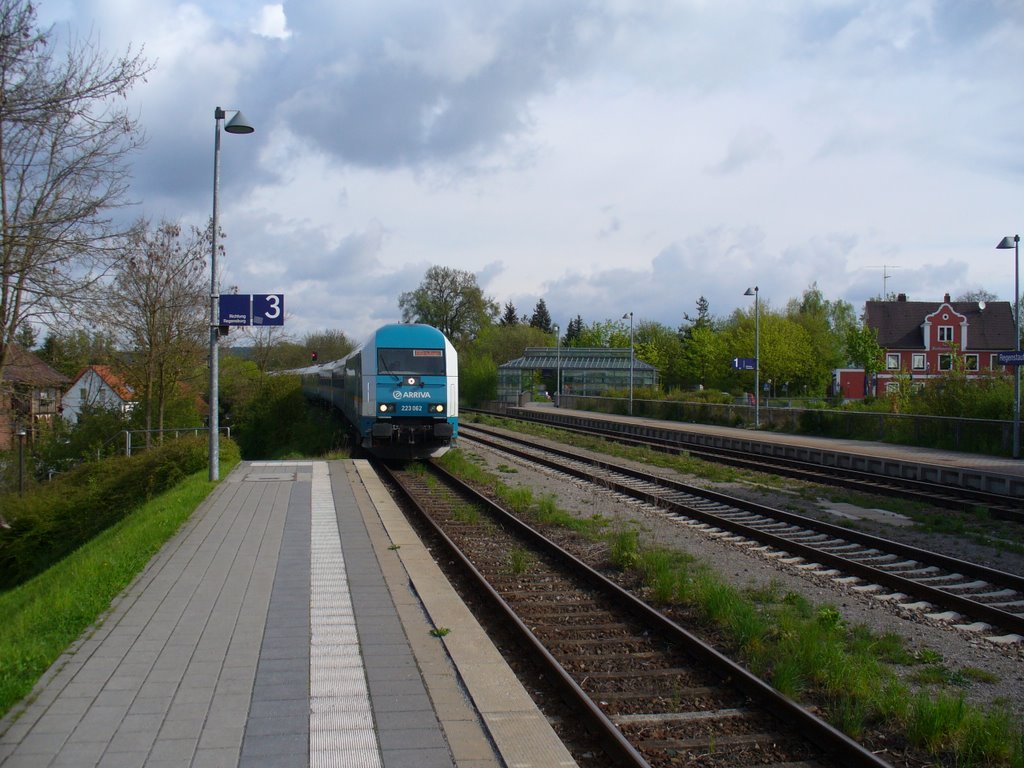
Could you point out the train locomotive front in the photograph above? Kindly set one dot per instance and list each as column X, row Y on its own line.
column 401, row 392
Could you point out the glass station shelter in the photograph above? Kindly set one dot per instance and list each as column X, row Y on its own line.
column 584, row 372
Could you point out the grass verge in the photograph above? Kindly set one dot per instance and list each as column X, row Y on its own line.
column 45, row 615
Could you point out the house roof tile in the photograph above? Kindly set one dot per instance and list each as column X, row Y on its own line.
column 25, row 368
column 899, row 323
column 111, row 379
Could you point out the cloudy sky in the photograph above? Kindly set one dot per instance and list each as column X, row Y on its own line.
column 607, row 156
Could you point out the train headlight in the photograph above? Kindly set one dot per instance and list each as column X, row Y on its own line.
column 437, row 408
column 386, row 407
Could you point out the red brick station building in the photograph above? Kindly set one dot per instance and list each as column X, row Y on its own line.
column 918, row 337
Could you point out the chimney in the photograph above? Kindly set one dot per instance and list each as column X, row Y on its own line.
column 946, row 299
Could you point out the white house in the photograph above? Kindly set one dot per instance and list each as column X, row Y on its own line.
column 97, row 386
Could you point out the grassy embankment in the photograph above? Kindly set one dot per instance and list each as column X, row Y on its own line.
column 46, row 613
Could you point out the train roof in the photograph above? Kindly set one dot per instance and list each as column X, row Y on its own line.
column 406, row 334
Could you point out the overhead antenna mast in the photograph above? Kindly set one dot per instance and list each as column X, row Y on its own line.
column 885, row 279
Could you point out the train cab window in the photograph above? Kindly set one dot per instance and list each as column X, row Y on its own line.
column 422, row 362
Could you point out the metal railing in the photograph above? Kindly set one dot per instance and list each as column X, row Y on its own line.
column 130, row 445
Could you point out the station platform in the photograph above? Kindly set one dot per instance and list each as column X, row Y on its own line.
column 993, row 474
column 291, row 622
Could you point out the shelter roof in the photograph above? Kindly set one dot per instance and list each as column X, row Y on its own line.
column 576, row 358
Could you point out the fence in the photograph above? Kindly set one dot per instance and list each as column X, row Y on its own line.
column 131, row 445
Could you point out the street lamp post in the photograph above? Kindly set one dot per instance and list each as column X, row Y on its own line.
column 237, row 124
column 630, row 316
column 21, row 461
column 757, row 355
column 558, row 366
column 1014, row 242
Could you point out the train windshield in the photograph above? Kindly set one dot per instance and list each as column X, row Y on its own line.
column 421, row 362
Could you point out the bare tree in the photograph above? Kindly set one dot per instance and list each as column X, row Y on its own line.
column 267, row 341
column 65, row 135
column 157, row 306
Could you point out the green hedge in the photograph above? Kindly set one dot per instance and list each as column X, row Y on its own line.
column 58, row 517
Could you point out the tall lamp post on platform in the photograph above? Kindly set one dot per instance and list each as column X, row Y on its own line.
column 1006, row 243
column 237, row 124
column 558, row 366
column 757, row 355
column 630, row 316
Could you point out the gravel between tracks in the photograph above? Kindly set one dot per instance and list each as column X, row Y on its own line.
column 959, row 649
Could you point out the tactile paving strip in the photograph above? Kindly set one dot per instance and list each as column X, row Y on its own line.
column 341, row 731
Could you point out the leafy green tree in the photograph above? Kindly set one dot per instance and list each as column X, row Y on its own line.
column 96, row 434
column 69, row 351
column 659, row 345
column 613, row 334
column 864, row 351
column 478, row 377
column 825, row 324
column 701, row 354
column 786, row 353
column 501, row 343
column 702, row 358
column 450, row 300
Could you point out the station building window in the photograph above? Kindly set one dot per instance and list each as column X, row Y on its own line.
column 945, row 333
column 892, row 361
column 917, row 361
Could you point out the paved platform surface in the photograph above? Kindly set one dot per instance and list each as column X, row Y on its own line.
column 287, row 624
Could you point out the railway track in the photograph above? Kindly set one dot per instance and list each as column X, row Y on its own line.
column 999, row 506
column 913, row 580
column 656, row 694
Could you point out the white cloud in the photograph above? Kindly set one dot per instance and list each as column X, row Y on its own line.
column 271, row 22
column 605, row 155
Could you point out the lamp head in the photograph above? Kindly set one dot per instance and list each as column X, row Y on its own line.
column 750, row 291
column 239, row 124
column 1009, row 242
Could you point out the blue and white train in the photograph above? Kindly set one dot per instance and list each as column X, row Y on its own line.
column 399, row 391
